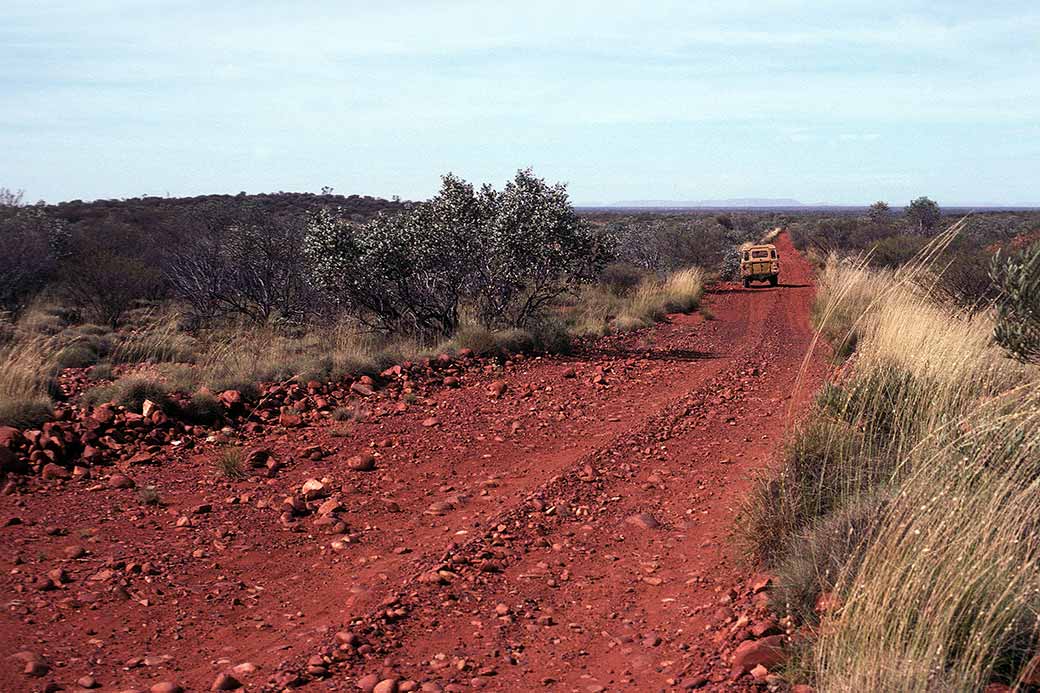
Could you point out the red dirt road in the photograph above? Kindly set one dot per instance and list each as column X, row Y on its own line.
column 572, row 534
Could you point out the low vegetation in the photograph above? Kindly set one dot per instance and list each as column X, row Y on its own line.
column 311, row 290
column 901, row 525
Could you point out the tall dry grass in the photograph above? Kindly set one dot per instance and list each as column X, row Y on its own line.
column 26, row 376
column 600, row 311
column 912, row 493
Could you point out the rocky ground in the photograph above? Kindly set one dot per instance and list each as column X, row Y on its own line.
column 558, row 523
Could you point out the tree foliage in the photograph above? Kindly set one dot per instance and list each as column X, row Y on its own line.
column 1018, row 312
column 510, row 252
column 923, row 214
column 31, row 244
column 879, row 212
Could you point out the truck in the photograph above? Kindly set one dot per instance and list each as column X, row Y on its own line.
column 759, row 263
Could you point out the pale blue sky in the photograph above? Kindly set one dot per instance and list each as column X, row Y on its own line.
column 843, row 102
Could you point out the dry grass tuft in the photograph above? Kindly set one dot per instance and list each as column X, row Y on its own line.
column 937, row 430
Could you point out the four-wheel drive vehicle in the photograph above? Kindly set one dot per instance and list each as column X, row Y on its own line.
column 759, row 263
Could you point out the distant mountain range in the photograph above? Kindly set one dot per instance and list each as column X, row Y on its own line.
column 731, row 202
column 772, row 203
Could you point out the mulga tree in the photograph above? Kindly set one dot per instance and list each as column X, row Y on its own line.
column 241, row 261
column 534, row 248
column 923, row 214
column 405, row 272
column 1017, row 277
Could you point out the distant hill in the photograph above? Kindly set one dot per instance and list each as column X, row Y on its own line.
column 736, row 202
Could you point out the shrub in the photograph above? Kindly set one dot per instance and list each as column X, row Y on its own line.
column 621, row 278
column 230, row 463
column 77, row 355
column 26, row 383
column 130, row 392
column 148, row 495
column 204, row 408
column 819, row 557
column 25, row 412
column 242, row 261
column 102, row 371
column 1017, row 327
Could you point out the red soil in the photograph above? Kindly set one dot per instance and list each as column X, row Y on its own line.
column 581, row 523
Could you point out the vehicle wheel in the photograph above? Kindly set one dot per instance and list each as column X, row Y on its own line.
column 747, row 283
column 774, row 280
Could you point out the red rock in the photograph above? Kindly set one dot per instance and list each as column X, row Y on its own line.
column 761, row 583
column 142, row 457
column 386, row 686
column 643, row 521
column 497, row 388
column 225, row 682
column 9, row 437
column 360, row 388
column 431, row 421
column 569, row 373
column 289, row 419
column 451, row 381
column 103, row 414
column 257, row 457
column 767, row 652
column 166, row 687
column 365, row 462
column 120, row 481
column 54, row 471
column 368, row 682
column 231, row 399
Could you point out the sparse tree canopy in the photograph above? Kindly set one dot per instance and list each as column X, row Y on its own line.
column 11, row 198
column 31, row 244
column 923, row 214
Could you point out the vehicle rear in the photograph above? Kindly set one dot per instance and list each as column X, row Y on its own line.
column 759, row 263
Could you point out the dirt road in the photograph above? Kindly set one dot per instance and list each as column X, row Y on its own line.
column 556, row 523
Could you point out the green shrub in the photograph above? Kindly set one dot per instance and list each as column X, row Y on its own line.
column 1018, row 314
column 76, row 355
column 819, row 472
column 130, row 392
column 27, row 412
column 204, row 408
column 620, row 278
column 102, row 371
column 818, row 557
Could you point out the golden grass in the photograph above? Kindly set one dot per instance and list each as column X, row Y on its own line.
column 26, row 368
column 939, row 430
column 599, row 311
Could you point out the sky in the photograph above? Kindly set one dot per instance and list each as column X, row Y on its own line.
column 843, row 102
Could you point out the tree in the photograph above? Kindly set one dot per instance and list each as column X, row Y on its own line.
column 31, row 244
column 534, row 248
column 105, row 272
column 510, row 253
column 11, row 198
column 879, row 212
column 241, row 260
column 923, row 214
column 1018, row 312
column 404, row 272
